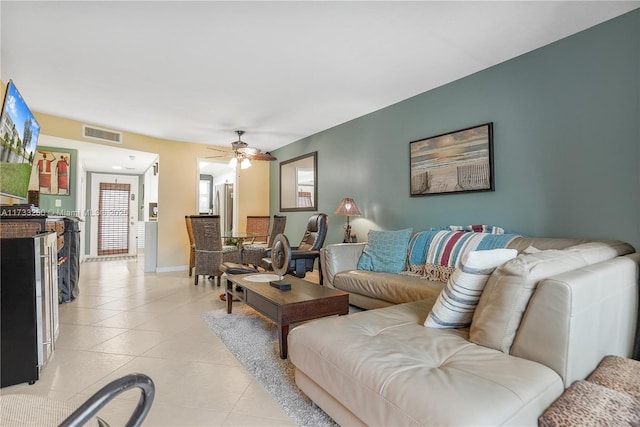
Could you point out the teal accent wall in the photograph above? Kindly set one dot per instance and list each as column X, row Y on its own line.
column 68, row 202
column 566, row 146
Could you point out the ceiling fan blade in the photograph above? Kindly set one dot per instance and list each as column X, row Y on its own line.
column 262, row 156
column 220, row 150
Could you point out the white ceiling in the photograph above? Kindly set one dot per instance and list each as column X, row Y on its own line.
column 196, row 71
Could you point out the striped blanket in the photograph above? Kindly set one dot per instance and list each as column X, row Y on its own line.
column 435, row 254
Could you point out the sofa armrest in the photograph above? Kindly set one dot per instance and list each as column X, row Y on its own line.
column 339, row 257
column 574, row 319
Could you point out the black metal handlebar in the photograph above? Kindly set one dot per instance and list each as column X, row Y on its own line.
column 91, row 407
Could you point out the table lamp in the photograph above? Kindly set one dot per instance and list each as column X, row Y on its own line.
column 349, row 208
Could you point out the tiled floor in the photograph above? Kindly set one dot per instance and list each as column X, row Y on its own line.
column 127, row 321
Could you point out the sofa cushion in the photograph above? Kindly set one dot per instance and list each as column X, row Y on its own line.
column 385, row 251
column 508, row 290
column 594, row 252
column 384, row 366
column 544, row 243
column 459, row 298
column 389, row 287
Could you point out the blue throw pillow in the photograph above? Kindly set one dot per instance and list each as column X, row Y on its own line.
column 385, row 251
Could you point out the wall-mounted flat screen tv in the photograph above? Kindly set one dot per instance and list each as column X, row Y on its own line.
column 19, row 132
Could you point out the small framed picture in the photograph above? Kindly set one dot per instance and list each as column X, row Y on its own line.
column 454, row 162
column 50, row 173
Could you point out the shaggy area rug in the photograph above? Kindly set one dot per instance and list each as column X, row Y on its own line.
column 253, row 340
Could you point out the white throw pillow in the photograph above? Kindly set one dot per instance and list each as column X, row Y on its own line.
column 458, row 299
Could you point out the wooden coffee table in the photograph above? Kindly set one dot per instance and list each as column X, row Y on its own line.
column 304, row 301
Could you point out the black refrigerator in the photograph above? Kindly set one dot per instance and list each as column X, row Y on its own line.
column 28, row 306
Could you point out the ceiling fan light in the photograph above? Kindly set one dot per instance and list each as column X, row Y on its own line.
column 233, row 162
column 246, row 163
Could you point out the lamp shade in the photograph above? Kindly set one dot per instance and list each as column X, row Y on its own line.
column 347, row 207
column 245, row 163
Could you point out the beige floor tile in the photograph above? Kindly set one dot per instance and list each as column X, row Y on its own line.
column 122, row 304
column 156, row 307
column 74, row 371
column 242, row 420
column 128, row 319
column 188, row 384
column 203, row 385
column 171, row 323
column 92, row 301
column 84, row 337
column 185, row 348
column 51, row 394
column 256, row 402
column 166, row 415
column 84, row 316
column 131, row 342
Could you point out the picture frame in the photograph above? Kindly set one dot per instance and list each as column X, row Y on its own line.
column 299, row 183
column 51, row 172
column 452, row 163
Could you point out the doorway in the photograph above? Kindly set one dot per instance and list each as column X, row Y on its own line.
column 216, row 192
column 114, row 214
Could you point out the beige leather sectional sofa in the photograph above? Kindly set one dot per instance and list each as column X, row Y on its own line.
column 383, row 367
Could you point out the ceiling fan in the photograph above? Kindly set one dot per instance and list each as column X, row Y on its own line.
column 242, row 153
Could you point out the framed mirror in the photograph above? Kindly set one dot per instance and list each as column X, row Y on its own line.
column 299, row 183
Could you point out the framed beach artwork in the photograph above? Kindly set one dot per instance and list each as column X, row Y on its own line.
column 454, row 162
column 50, row 172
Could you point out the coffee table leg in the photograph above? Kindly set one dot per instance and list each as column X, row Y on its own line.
column 283, row 332
column 229, row 296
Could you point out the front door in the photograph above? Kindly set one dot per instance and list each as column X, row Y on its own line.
column 114, row 214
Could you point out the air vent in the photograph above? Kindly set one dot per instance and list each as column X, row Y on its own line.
column 102, row 134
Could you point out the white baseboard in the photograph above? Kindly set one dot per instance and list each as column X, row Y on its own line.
column 172, row 268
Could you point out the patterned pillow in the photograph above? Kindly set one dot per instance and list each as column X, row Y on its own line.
column 385, row 251
column 457, row 301
column 618, row 373
column 587, row 404
column 434, row 255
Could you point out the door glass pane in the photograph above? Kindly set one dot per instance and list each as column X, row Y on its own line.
column 205, row 197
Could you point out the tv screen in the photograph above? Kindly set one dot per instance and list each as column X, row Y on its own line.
column 19, row 132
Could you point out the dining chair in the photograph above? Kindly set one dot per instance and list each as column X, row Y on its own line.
column 209, row 250
column 259, row 225
column 192, row 244
column 252, row 254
